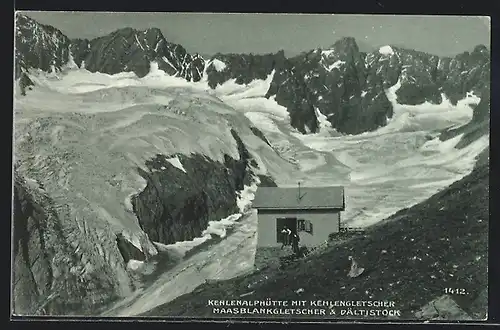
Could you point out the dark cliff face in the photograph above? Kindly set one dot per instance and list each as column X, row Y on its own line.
column 128, row 250
column 53, row 271
column 38, row 46
column 465, row 72
column 25, row 83
column 177, row 206
column 335, row 82
column 242, row 67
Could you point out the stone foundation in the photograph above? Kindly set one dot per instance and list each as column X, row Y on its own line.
column 270, row 256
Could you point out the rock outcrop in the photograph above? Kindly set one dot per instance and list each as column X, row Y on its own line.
column 243, row 68
column 177, row 206
column 25, row 83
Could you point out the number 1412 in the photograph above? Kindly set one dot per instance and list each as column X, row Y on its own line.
column 455, row 291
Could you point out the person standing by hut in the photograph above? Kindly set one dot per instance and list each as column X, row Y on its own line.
column 286, row 232
column 295, row 243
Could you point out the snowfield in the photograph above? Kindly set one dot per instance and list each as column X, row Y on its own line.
column 84, row 134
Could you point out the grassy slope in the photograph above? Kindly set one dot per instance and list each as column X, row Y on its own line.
column 439, row 243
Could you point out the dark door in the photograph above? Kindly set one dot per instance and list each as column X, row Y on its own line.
column 290, row 223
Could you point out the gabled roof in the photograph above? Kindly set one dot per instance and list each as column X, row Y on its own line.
column 310, row 198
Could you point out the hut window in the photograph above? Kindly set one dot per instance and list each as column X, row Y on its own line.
column 305, row 225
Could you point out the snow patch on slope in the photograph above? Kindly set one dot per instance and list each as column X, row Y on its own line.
column 140, row 241
column 135, row 264
column 327, row 53
column 335, row 65
column 322, row 119
column 428, row 116
column 247, row 195
column 176, row 163
column 71, row 62
column 257, row 88
column 219, row 65
column 386, row 50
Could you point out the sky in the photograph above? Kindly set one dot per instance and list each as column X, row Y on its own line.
column 208, row 34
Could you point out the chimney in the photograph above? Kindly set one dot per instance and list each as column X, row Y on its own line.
column 298, row 196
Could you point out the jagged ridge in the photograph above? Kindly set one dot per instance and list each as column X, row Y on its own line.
column 47, row 48
column 342, row 83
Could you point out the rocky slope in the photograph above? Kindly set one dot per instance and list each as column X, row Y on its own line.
column 61, row 265
column 88, row 236
column 66, row 265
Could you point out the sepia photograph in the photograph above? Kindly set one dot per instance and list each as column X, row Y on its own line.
column 225, row 166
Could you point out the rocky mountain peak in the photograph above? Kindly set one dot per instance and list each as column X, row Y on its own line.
column 481, row 49
column 346, row 44
column 129, row 49
column 38, row 46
